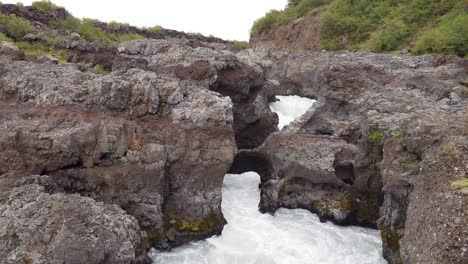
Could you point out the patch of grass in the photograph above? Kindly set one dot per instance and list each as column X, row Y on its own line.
column 395, row 134
column 464, row 93
column 87, row 30
column 115, row 24
column 154, row 29
column 460, row 184
column 16, row 27
column 384, row 25
column 449, row 36
column 34, row 49
column 5, row 38
column 44, row 6
column 240, row 45
column 294, row 10
column 375, row 136
column 99, row 69
column 38, row 50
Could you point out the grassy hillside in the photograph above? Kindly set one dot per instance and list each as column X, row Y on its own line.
column 423, row 26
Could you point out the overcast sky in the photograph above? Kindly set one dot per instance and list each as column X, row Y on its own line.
column 228, row 19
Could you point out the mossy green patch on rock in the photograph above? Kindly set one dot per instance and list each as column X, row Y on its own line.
column 200, row 225
column 461, row 185
column 375, row 136
column 391, row 238
column 154, row 236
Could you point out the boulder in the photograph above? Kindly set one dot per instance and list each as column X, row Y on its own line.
column 10, row 50
column 38, row 227
column 48, row 59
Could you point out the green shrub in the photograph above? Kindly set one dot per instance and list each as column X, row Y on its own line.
column 154, row 29
column 391, row 37
column 15, row 27
column 44, row 5
column 382, row 25
column 450, row 36
column 5, row 38
column 114, row 24
column 35, row 49
column 20, row 5
column 240, row 45
column 85, row 28
column 294, row 9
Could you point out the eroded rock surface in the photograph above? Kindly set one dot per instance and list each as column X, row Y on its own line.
column 384, row 125
column 151, row 143
column 38, row 227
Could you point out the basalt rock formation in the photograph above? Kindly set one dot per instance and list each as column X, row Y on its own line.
column 135, row 154
column 153, row 144
column 381, row 147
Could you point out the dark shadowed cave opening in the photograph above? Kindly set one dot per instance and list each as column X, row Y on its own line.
column 345, row 172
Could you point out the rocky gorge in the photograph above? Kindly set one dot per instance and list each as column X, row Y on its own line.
column 98, row 167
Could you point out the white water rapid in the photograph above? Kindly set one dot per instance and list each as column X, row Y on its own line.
column 290, row 108
column 288, row 237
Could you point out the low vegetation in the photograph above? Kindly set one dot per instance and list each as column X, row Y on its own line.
column 240, row 45
column 294, row 9
column 423, row 26
column 44, row 6
column 16, row 28
column 89, row 31
column 5, row 38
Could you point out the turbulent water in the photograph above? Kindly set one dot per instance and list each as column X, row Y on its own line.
column 289, row 108
column 288, row 237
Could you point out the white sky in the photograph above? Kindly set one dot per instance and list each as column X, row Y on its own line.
column 227, row 19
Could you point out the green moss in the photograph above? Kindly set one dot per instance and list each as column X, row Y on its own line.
column 184, row 225
column 410, row 162
column 375, row 136
column 395, row 134
column 460, row 184
column 99, row 69
column 378, row 164
column 464, row 93
column 155, row 236
column 368, row 209
column 392, row 239
column 322, row 207
column 345, row 203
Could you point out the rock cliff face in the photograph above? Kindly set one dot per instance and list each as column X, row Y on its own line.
column 298, row 34
column 136, row 156
column 152, row 143
column 381, row 147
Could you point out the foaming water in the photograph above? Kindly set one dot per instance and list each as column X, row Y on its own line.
column 290, row 108
column 288, row 237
